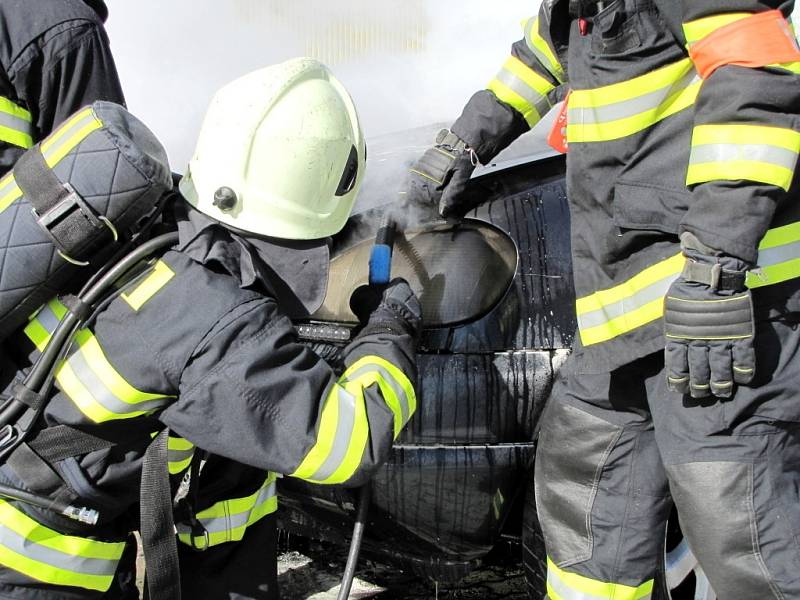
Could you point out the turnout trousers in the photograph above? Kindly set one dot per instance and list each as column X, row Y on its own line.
column 616, row 450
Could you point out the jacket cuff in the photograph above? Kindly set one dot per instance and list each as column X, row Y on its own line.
column 488, row 125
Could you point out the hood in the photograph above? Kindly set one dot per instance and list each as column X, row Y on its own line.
column 295, row 272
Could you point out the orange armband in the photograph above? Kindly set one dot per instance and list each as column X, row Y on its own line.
column 756, row 41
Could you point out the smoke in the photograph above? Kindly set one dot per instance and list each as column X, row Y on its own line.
column 407, row 63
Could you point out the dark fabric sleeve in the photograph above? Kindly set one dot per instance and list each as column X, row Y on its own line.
column 527, row 85
column 73, row 68
column 253, row 393
column 741, row 113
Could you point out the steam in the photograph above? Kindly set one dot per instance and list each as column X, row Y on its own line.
column 407, row 63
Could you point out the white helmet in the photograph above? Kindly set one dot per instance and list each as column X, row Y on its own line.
column 280, row 153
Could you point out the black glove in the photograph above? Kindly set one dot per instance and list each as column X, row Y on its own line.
column 439, row 178
column 709, row 326
column 394, row 306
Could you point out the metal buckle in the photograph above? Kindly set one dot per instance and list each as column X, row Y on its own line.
column 7, row 435
column 195, row 525
column 63, row 209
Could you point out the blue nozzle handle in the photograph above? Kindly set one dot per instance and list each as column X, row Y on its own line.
column 380, row 264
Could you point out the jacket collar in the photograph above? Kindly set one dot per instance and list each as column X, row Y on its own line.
column 295, row 272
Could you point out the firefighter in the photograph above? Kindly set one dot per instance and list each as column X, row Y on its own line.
column 200, row 345
column 682, row 136
column 54, row 59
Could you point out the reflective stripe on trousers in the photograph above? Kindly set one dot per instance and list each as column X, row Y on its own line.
column 612, row 312
column 343, row 427
column 16, row 124
column 228, row 520
column 563, row 585
column 51, row 557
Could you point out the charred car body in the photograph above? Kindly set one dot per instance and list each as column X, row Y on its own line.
column 498, row 303
column 497, row 295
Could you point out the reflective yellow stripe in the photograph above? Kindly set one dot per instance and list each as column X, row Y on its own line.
column 228, row 520
column 700, row 28
column 615, row 311
column 151, row 284
column 55, row 147
column 563, row 585
column 743, row 152
column 180, row 452
column 97, row 389
column 343, row 428
column 778, row 257
column 371, row 370
column 627, row 306
column 48, row 556
column 537, row 44
column 519, row 86
column 40, row 329
column 16, row 124
column 621, row 109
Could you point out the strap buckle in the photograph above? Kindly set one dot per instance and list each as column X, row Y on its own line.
column 65, row 208
column 196, row 526
column 714, row 276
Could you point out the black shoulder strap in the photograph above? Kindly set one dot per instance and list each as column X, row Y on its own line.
column 157, row 527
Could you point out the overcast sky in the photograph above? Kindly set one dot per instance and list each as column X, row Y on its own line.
column 406, row 62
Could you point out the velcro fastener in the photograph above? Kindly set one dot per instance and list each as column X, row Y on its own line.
column 714, row 276
column 757, row 41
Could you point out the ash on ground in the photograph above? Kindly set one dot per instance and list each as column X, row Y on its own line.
column 310, row 570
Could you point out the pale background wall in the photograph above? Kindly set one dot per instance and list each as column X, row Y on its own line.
column 406, row 62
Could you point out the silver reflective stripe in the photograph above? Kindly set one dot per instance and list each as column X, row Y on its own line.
column 10, row 184
column 230, row 521
column 88, row 566
column 778, row 254
column 48, row 319
column 15, row 123
column 236, row 520
column 175, row 456
column 765, row 153
column 554, row 69
column 567, row 593
column 531, row 96
column 67, row 137
column 102, row 394
column 616, row 309
column 631, row 107
column 399, row 392
column 344, row 431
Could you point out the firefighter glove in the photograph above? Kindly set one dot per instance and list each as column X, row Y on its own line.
column 439, row 178
column 709, row 327
column 393, row 306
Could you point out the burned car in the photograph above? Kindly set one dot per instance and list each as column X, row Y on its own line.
column 498, row 302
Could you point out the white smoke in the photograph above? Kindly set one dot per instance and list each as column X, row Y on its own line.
column 413, row 62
